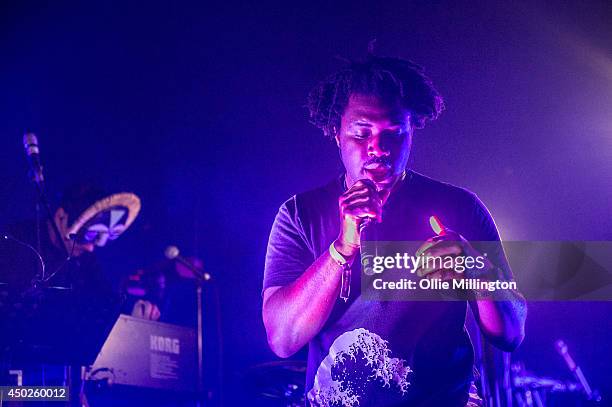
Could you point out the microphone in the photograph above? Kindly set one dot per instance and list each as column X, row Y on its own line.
column 173, row 253
column 367, row 232
column 30, row 144
column 561, row 347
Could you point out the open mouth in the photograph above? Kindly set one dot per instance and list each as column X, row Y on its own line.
column 376, row 166
column 378, row 172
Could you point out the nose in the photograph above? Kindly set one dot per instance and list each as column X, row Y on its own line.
column 377, row 146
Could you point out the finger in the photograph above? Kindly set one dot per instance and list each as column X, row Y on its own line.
column 366, row 182
column 436, row 275
column 425, row 271
column 421, row 271
column 437, row 226
column 444, row 274
column 360, row 211
column 355, row 205
column 427, row 244
column 437, row 260
column 362, row 185
column 361, row 198
column 155, row 314
column 373, row 200
column 357, row 191
column 443, row 248
column 429, row 267
column 449, row 275
column 362, row 195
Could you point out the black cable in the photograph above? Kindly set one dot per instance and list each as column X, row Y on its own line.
column 29, row 246
column 61, row 266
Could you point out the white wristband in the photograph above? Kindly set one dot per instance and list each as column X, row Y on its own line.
column 345, row 283
column 335, row 254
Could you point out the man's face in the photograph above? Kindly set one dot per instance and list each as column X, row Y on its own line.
column 374, row 138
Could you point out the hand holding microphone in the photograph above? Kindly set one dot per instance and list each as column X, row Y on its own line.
column 359, row 206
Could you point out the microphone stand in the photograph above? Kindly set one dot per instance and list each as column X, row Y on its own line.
column 201, row 277
column 44, row 202
column 200, row 340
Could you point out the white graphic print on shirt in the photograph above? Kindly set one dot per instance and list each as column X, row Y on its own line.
column 358, row 358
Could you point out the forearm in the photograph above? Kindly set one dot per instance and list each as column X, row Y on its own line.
column 502, row 318
column 295, row 313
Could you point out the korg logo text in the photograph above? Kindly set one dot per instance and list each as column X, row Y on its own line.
column 164, row 344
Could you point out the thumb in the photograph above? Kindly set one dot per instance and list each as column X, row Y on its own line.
column 437, row 226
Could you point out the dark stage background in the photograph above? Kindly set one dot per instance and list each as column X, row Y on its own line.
column 198, row 108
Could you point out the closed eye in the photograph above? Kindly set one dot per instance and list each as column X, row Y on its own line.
column 361, row 136
column 394, row 133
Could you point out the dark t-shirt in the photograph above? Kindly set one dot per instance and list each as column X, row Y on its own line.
column 369, row 353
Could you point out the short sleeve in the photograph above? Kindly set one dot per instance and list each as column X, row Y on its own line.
column 486, row 231
column 485, row 228
column 288, row 254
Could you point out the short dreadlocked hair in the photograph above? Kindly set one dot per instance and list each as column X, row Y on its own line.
column 386, row 77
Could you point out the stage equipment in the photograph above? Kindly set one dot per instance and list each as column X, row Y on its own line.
column 531, row 390
column 30, row 144
column 173, row 253
column 561, row 348
column 281, row 381
column 144, row 353
column 45, row 325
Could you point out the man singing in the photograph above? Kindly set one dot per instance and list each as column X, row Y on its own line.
column 379, row 353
